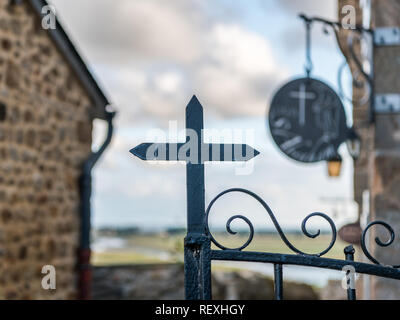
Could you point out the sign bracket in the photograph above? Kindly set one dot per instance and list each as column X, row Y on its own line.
column 387, row 36
column 387, row 103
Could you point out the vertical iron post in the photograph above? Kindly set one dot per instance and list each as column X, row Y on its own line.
column 197, row 243
column 278, row 281
column 351, row 292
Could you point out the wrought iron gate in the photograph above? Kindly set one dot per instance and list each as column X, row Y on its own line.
column 301, row 258
column 198, row 253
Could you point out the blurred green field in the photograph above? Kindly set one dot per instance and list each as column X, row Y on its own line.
column 121, row 257
column 159, row 248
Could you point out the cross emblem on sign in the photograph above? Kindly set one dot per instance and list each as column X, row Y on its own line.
column 194, row 152
column 302, row 95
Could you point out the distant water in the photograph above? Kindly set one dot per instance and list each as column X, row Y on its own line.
column 102, row 244
column 309, row 275
column 292, row 273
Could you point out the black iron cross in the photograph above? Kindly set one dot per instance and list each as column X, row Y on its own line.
column 195, row 153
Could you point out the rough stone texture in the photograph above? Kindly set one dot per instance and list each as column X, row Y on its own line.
column 164, row 282
column 378, row 167
column 385, row 160
column 45, row 136
column 333, row 291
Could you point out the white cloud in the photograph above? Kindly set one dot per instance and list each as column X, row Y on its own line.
column 240, row 51
column 321, row 8
column 153, row 55
column 168, row 82
column 129, row 29
column 238, row 62
column 294, row 38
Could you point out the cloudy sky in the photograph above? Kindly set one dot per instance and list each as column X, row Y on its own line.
column 151, row 56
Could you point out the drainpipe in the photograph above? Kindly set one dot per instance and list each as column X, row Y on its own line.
column 85, row 184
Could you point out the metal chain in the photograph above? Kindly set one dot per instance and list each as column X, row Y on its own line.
column 309, row 65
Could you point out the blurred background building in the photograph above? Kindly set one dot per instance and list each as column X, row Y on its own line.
column 48, row 101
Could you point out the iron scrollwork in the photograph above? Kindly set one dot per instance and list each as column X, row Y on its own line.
column 274, row 221
column 303, row 228
column 377, row 240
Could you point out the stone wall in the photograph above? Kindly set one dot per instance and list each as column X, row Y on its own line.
column 165, row 282
column 385, row 159
column 378, row 169
column 45, row 136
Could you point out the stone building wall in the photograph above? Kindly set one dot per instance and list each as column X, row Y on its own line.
column 45, row 136
column 385, row 159
column 378, row 169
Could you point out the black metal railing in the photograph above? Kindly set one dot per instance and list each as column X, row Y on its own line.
column 299, row 257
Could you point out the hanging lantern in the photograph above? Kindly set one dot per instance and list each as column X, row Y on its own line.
column 334, row 166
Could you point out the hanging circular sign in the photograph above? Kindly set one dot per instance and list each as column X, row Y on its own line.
column 307, row 120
